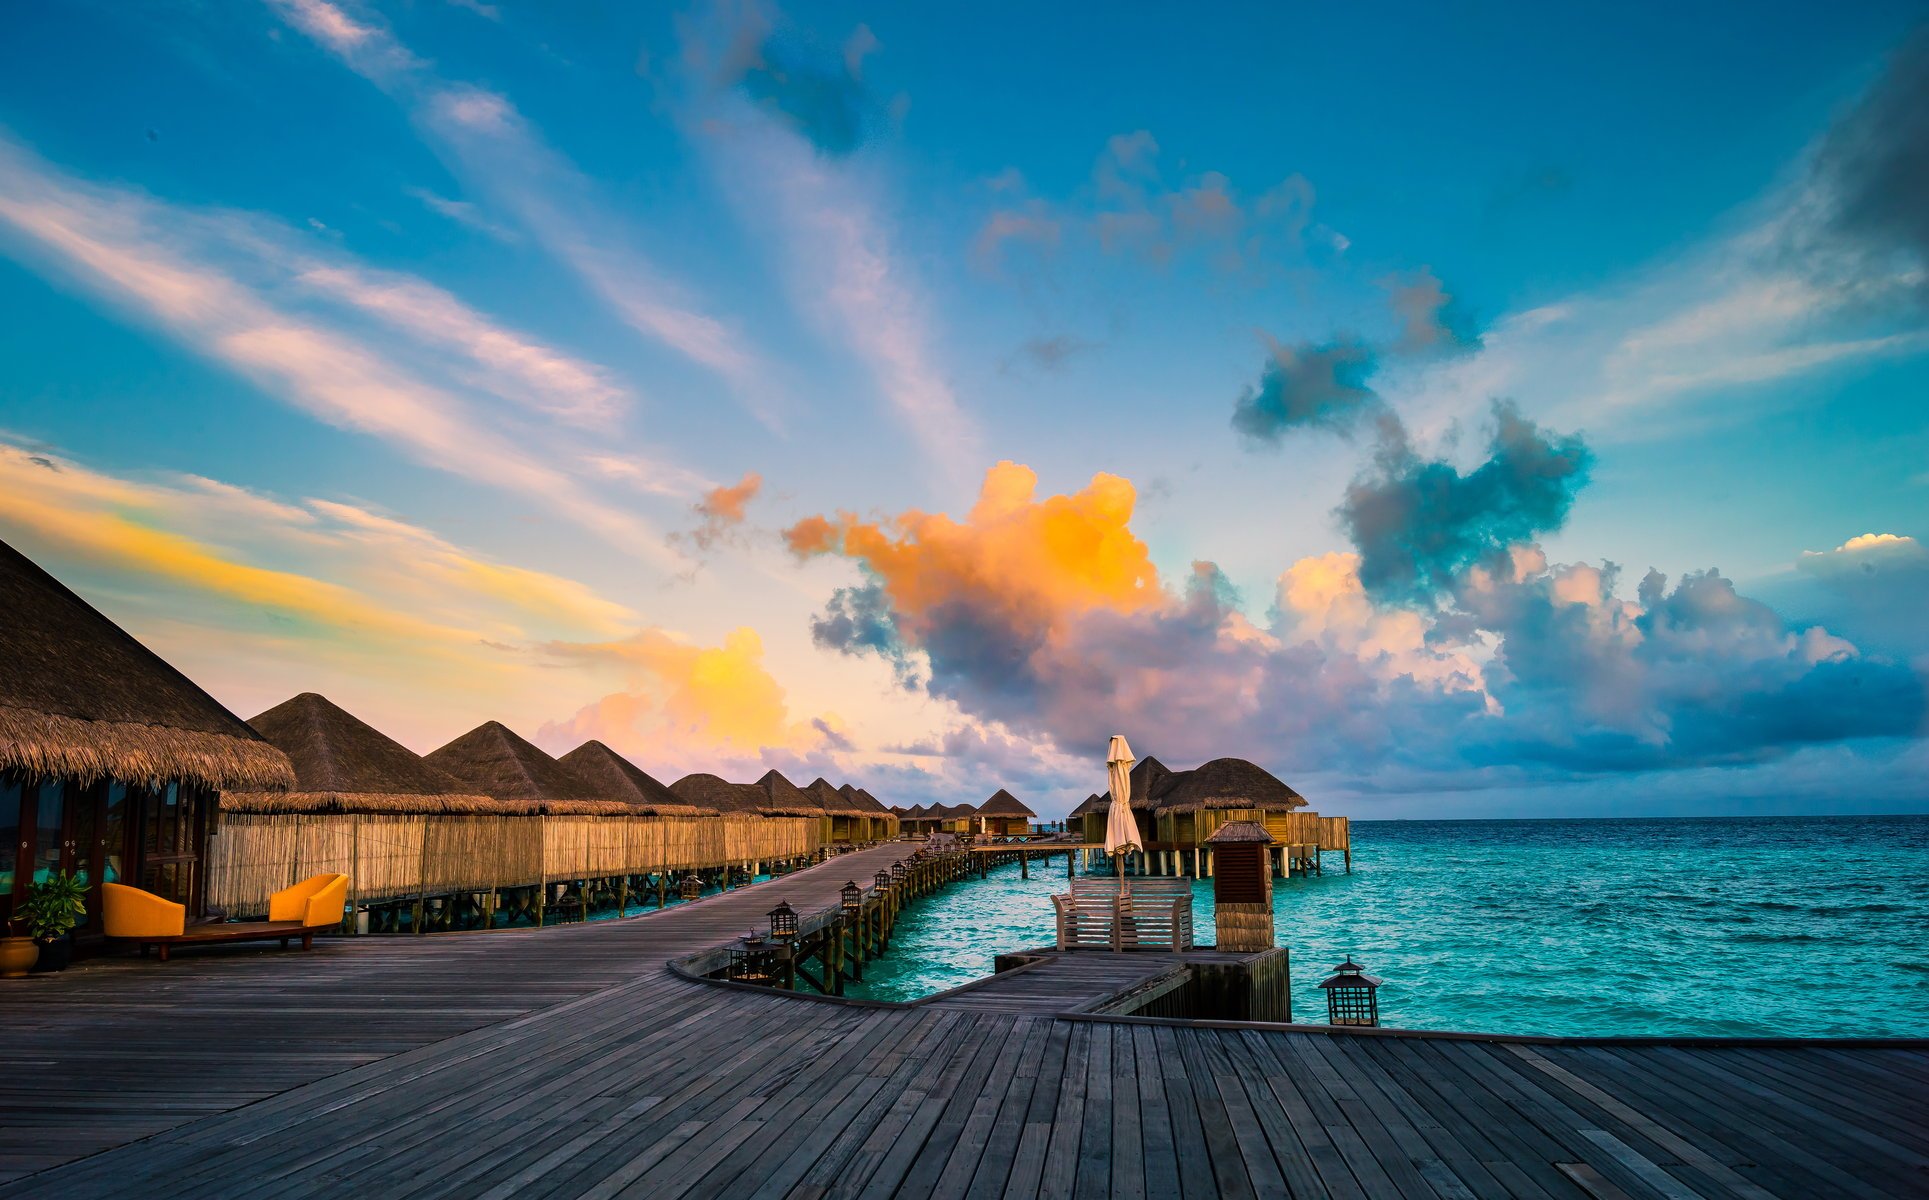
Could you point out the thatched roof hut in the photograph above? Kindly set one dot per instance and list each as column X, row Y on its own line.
column 834, row 800
column 775, row 796
column 82, row 700
column 871, row 804
column 1004, row 804
column 1226, row 783
column 345, row 765
column 618, row 778
column 1150, row 782
column 710, row 791
column 1093, row 803
column 496, row 762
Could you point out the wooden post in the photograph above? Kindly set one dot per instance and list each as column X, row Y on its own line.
column 1024, row 865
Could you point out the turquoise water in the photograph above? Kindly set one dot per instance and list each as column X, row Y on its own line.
column 1769, row 927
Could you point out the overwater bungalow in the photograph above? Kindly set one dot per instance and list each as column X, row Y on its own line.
column 1003, row 815
column 1086, row 823
column 1177, row 811
column 883, row 824
column 954, row 818
column 850, row 820
column 620, row 779
column 111, row 760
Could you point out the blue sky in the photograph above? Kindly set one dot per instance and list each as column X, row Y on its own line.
column 489, row 360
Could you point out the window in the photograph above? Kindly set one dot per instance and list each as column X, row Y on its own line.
column 50, row 805
column 113, row 832
column 10, row 789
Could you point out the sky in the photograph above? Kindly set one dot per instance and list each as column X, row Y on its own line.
column 1461, row 411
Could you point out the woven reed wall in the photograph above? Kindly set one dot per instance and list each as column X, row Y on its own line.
column 389, row 857
column 1243, row 928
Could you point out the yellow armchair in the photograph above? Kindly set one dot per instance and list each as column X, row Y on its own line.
column 315, row 901
column 132, row 913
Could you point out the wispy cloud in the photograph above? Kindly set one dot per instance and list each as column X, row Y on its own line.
column 481, row 134
column 155, row 260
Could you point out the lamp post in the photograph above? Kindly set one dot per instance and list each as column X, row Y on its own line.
column 882, row 882
column 1350, row 995
column 691, row 888
column 853, row 898
column 898, row 872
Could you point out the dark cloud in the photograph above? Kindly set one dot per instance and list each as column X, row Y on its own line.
column 1431, row 320
column 1873, row 165
column 1306, row 386
column 1419, row 523
column 834, row 740
column 821, row 96
column 858, row 620
column 1052, row 353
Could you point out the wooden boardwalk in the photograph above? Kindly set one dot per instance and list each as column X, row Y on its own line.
column 569, row 1062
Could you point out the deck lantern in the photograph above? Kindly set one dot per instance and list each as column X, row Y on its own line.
column 898, row 871
column 691, row 887
column 853, row 897
column 1350, row 995
column 882, row 882
column 783, row 922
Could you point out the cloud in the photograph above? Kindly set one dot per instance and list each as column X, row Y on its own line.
column 722, row 508
column 1306, row 386
column 686, row 707
column 1872, row 167
column 212, row 281
column 462, row 212
column 1129, row 207
column 1044, row 617
column 1052, row 354
column 1872, row 587
column 1429, row 318
column 1419, row 523
column 319, row 572
column 481, row 135
column 819, row 96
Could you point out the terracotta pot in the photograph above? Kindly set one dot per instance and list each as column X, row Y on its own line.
column 17, row 956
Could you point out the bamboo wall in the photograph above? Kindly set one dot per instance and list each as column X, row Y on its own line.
column 390, row 857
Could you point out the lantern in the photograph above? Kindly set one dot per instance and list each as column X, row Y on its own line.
column 1350, row 998
column 853, row 897
column 898, row 871
column 691, row 887
column 783, row 921
column 881, row 881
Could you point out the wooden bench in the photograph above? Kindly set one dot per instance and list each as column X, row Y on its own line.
column 1143, row 914
column 232, row 931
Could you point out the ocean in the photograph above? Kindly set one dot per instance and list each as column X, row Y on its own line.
column 1772, row 926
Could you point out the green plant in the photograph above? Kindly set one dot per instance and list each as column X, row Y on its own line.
column 54, row 905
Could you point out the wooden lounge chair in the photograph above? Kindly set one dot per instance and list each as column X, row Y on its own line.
column 312, row 906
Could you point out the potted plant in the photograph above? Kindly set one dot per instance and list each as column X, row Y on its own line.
column 18, row 953
column 54, row 906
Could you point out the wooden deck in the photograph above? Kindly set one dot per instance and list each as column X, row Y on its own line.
column 570, row 1062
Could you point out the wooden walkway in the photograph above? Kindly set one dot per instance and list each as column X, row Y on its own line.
column 569, row 1062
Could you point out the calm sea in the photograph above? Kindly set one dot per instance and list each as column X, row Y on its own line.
column 1719, row 926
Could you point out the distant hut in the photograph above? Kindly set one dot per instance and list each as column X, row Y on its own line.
column 1003, row 815
column 1079, row 821
column 712, row 792
column 850, row 820
column 882, row 824
column 620, row 779
column 955, row 818
column 110, row 759
column 1189, row 806
column 497, row 762
column 345, row 765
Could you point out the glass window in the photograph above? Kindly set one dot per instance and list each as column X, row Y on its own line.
column 48, row 810
column 113, row 832
column 82, row 837
column 9, row 832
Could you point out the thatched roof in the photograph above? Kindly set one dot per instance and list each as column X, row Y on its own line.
column 1004, row 804
column 871, row 803
column 1094, row 803
column 498, row 763
column 1237, row 832
column 1150, row 782
column 1227, row 783
column 956, row 811
column 345, row 765
column 80, row 698
column 618, row 778
column 709, row 791
column 776, row 796
column 833, row 800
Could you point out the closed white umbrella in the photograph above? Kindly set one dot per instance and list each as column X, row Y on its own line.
column 1121, row 830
